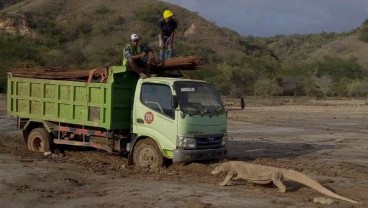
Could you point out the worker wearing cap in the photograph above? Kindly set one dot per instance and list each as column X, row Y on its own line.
column 167, row 27
column 138, row 58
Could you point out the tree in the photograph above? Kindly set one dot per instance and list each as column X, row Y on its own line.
column 323, row 83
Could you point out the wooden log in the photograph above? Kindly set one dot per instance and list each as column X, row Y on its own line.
column 181, row 63
column 60, row 74
column 173, row 64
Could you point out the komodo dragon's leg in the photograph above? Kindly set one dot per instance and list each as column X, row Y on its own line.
column 230, row 175
column 276, row 179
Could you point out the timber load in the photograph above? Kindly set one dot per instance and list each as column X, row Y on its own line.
column 52, row 73
column 181, row 63
column 173, row 64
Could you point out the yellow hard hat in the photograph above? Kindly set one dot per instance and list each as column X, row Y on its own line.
column 167, row 14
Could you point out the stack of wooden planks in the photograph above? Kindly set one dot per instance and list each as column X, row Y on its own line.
column 181, row 63
column 57, row 74
column 176, row 63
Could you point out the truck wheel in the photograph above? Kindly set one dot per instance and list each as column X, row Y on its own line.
column 147, row 154
column 39, row 140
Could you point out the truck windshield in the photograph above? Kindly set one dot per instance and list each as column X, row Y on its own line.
column 198, row 98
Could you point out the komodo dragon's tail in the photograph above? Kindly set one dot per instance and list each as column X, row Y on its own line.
column 305, row 180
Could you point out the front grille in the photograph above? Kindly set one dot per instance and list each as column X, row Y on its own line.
column 208, row 142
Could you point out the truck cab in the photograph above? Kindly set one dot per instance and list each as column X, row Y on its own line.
column 185, row 118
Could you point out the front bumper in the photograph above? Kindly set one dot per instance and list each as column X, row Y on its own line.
column 201, row 154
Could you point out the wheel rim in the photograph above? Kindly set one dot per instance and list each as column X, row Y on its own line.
column 147, row 157
column 37, row 144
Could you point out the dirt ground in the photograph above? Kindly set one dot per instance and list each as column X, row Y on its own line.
column 326, row 140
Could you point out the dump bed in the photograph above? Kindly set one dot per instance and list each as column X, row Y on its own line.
column 106, row 105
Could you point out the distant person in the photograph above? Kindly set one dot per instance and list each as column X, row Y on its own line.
column 138, row 58
column 167, row 27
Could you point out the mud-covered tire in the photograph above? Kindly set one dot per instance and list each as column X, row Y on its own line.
column 39, row 140
column 147, row 154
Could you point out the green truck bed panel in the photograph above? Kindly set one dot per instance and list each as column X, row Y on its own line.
column 105, row 105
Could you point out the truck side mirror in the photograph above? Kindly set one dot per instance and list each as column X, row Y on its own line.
column 174, row 102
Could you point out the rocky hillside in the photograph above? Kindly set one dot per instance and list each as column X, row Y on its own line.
column 345, row 48
column 314, row 47
column 89, row 34
column 92, row 29
column 298, row 46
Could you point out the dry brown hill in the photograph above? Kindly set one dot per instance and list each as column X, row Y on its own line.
column 100, row 26
column 345, row 48
column 90, row 33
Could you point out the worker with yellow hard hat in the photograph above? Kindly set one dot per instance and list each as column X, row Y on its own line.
column 167, row 27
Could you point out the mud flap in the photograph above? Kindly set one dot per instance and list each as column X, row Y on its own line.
column 130, row 147
column 130, row 159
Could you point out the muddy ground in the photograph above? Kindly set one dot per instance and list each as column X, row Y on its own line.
column 327, row 140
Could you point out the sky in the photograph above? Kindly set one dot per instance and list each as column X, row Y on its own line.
column 272, row 17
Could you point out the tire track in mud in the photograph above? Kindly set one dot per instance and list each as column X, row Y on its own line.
column 115, row 165
column 104, row 163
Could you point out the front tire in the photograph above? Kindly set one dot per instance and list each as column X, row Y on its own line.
column 39, row 140
column 147, row 154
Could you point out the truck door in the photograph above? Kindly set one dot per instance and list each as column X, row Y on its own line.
column 154, row 115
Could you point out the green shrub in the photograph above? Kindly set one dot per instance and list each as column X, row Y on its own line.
column 340, row 88
column 358, row 88
column 338, row 68
column 76, row 57
column 209, row 55
column 291, row 85
column 149, row 16
column 363, row 32
column 266, row 87
column 15, row 48
column 3, row 81
column 241, row 81
column 308, row 86
column 229, row 80
column 54, row 58
column 102, row 9
column 77, row 29
column 220, row 81
column 5, row 3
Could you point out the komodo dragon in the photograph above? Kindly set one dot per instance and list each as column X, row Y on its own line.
column 260, row 174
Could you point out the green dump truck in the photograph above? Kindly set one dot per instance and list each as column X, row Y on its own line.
column 149, row 119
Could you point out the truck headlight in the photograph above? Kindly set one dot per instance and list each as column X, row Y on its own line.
column 224, row 140
column 186, row 142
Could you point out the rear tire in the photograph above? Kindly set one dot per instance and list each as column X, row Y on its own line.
column 39, row 140
column 147, row 154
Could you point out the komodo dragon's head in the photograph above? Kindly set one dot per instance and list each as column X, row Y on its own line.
column 218, row 170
